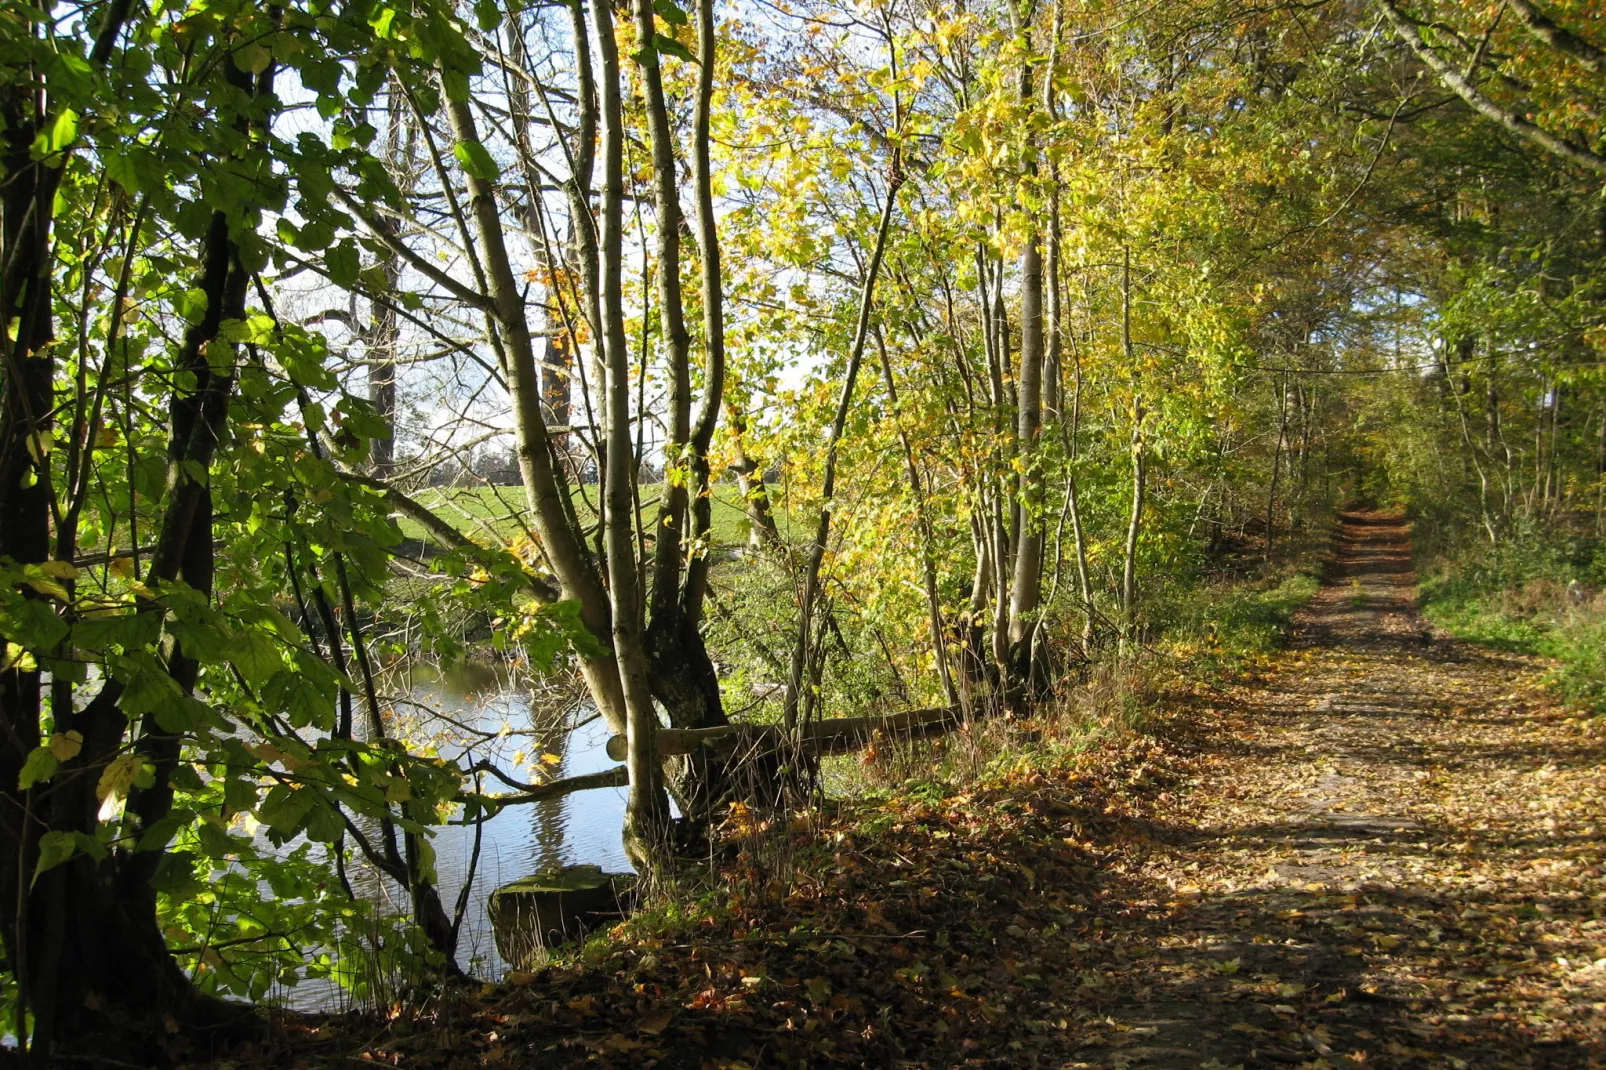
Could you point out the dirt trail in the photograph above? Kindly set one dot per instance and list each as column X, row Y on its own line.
column 1393, row 859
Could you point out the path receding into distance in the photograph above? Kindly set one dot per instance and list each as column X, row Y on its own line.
column 1393, row 857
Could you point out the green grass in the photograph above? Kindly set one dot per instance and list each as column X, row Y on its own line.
column 1220, row 626
column 500, row 512
column 1528, row 618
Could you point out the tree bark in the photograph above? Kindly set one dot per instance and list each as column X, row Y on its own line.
column 545, row 488
column 646, row 809
column 682, row 675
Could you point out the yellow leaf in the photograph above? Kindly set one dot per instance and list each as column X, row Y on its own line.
column 15, row 657
column 66, row 745
column 551, row 759
column 114, row 783
column 61, row 570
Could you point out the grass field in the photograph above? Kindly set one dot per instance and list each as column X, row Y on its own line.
column 500, row 512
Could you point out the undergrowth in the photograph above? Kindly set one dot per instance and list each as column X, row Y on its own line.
column 1530, row 594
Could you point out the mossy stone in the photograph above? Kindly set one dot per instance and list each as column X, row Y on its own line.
column 552, row 907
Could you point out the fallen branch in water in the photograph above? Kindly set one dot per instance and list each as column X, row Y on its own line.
column 617, row 777
column 838, row 736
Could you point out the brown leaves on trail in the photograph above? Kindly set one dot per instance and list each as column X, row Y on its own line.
column 963, row 931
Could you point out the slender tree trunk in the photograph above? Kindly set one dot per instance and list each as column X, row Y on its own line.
column 545, row 488
column 1600, row 477
column 1472, row 452
column 383, row 333
column 762, row 533
column 1276, row 466
column 646, row 809
column 682, row 675
column 928, row 563
column 713, row 294
column 1129, row 561
column 796, row 701
column 1026, row 584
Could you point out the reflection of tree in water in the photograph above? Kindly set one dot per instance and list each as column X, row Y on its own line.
column 549, row 818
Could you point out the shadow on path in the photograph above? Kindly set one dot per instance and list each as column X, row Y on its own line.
column 1396, row 862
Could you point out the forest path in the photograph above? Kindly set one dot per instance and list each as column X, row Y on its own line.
column 1393, row 858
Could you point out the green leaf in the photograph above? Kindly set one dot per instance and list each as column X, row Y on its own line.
column 285, row 808
column 381, row 22
column 161, row 832
column 184, row 777
column 215, row 840
column 324, row 824
column 33, row 623
column 64, row 131
column 239, row 794
column 148, row 685
column 342, row 263
column 121, row 169
column 54, row 849
column 182, row 715
column 40, row 766
column 670, row 46
column 176, row 875
column 300, row 699
column 312, row 237
column 256, row 656
column 455, row 84
column 192, row 305
column 127, row 630
column 669, row 12
column 253, row 58
column 476, row 161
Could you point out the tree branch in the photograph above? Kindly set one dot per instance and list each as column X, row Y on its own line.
column 1463, row 87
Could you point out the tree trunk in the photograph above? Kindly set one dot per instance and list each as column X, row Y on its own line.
column 646, row 809
column 795, row 699
column 545, row 488
column 1026, row 584
column 928, row 564
column 1129, row 560
column 762, row 533
column 682, row 675
column 1276, row 466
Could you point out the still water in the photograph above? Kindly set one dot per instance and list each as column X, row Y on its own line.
column 482, row 712
column 479, row 712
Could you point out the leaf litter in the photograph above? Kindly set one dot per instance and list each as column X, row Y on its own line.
column 1381, row 848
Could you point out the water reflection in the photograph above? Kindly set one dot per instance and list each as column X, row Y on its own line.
column 482, row 712
column 478, row 712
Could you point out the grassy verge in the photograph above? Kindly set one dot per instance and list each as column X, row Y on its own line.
column 1217, row 628
column 1538, row 593
column 499, row 511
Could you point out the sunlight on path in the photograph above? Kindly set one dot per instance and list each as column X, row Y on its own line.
column 1398, row 863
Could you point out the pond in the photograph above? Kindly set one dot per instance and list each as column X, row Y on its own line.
column 528, row 743
column 485, row 712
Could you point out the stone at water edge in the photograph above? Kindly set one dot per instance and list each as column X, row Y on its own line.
column 548, row 908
